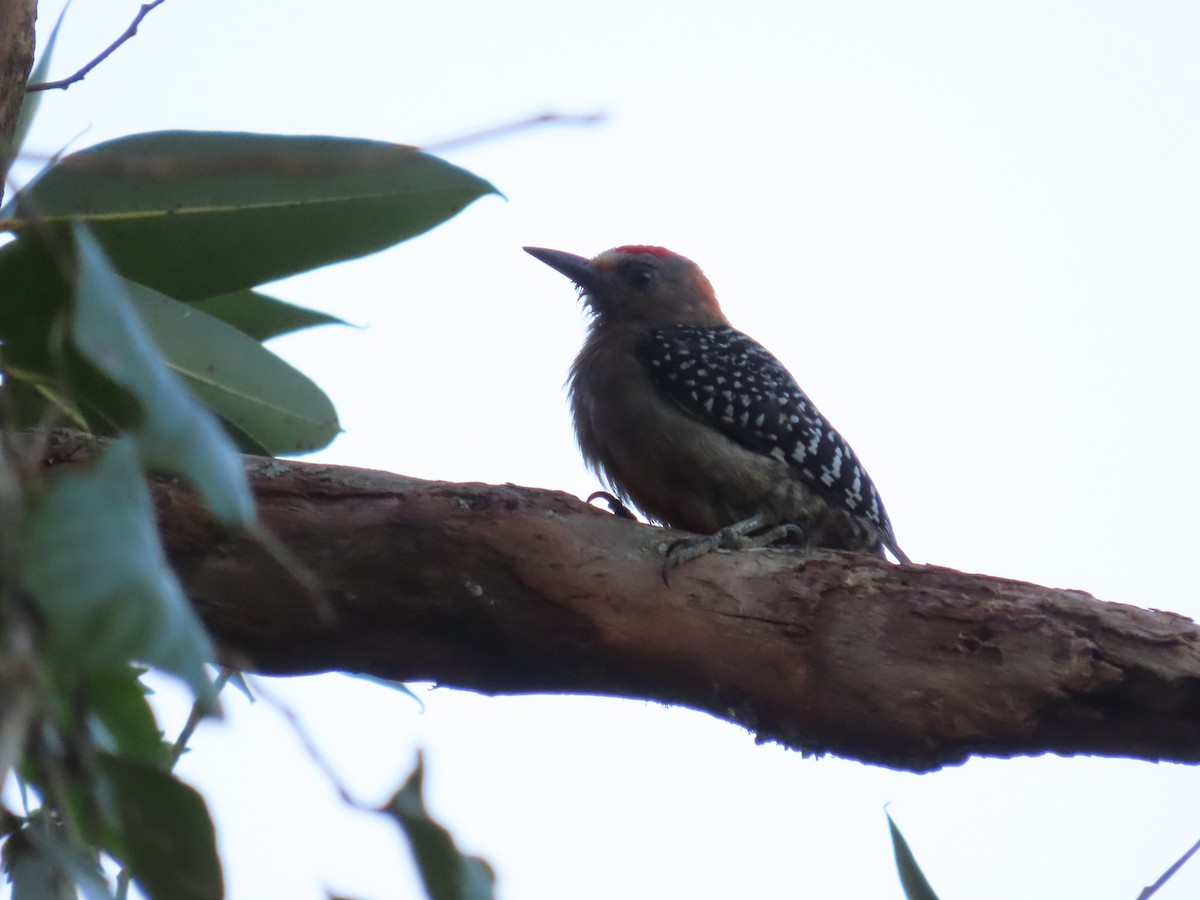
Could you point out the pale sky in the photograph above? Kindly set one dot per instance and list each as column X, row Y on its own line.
column 969, row 230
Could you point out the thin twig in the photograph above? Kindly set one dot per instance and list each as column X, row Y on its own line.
column 1167, row 874
column 105, row 54
column 510, row 127
column 199, row 711
column 310, row 746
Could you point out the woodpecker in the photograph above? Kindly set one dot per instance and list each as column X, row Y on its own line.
column 697, row 424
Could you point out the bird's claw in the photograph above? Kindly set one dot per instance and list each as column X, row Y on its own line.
column 615, row 506
column 732, row 537
column 684, row 549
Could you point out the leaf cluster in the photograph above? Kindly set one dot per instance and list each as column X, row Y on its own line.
column 131, row 307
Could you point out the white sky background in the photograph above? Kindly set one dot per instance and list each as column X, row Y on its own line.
column 971, row 232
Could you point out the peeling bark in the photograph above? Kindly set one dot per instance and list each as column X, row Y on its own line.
column 511, row 590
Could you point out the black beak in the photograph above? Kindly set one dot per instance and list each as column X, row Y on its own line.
column 578, row 269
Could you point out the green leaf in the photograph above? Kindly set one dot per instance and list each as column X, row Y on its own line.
column 116, row 698
column 169, row 842
column 446, row 872
column 27, row 401
column 176, row 434
column 238, row 680
column 390, row 684
column 275, row 405
column 912, row 879
column 37, row 353
column 43, row 865
column 260, row 316
column 268, row 405
column 198, row 214
column 35, row 875
column 33, row 293
column 93, row 564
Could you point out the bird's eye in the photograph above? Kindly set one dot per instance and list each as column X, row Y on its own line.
column 639, row 275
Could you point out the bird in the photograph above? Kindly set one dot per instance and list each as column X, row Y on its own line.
column 698, row 425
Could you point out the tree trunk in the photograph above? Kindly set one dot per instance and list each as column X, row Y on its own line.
column 17, row 18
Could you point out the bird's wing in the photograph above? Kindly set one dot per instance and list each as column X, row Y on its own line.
column 734, row 384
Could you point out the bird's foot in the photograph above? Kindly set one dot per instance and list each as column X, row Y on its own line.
column 615, row 506
column 738, row 536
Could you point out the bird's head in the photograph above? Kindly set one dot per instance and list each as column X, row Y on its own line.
column 641, row 284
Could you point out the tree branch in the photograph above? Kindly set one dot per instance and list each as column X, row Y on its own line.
column 508, row 128
column 510, row 590
column 64, row 83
